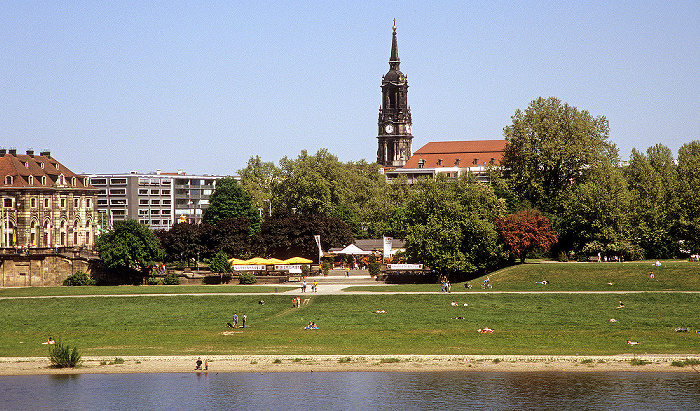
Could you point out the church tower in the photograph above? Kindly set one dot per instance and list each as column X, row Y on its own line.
column 394, row 115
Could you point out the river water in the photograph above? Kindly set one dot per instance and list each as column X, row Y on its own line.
column 354, row 391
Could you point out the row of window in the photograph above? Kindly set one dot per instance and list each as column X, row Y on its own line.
column 143, row 211
column 155, row 222
column 33, row 202
column 153, row 192
column 60, row 180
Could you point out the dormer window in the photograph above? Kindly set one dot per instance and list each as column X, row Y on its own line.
column 476, row 161
column 493, row 161
column 43, row 179
column 457, row 163
column 30, row 180
column 41, row 165
column 56, row 165
column 421, row 163
column 72, row 181
column 439, row 162
column 8, row 180
column 26, row 165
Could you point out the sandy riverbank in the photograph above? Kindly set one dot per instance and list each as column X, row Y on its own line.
column 321, row 363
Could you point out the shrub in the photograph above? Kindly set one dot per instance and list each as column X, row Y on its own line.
column 79, row 278
column 638, row 361
column 247, row 278
column 277, row 361
column 171, row 279
column 326, row 266
column 374, row 268
column 305, row 270
column 220, row 263
column 61, row 356
column 344, row 360
column 153, row 280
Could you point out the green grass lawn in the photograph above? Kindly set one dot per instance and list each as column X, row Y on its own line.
column 150, row 289
column 629, row 276
column 555, row 324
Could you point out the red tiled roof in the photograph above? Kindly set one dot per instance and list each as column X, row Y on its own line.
column 465, row 151
column 21, row 166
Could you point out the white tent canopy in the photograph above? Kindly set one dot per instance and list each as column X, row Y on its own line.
column 353, row 249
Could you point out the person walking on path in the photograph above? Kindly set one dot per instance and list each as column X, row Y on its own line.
column 303, row 286
column 314, row 286
column 235, row 320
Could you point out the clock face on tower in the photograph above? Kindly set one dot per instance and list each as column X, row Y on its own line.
column 389, row 128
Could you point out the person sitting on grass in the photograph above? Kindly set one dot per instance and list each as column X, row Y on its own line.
column 485, row 330
column 632, row 342
column 312, row 326
column 621, row 305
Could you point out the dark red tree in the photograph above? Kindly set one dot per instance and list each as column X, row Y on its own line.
column 525, row 231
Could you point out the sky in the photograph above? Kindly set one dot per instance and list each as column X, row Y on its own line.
column 203, row 86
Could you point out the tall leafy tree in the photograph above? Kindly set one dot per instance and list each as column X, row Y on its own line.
column 549, row 146
column 257, row 179
column 451, row 226
column 321, row 184
column 526, row 231
column 596, row 215
column 291, row 235
column 183, row 241
column 229, row 200
column 688, row 198
column 653, row 213
column 231, row 236
column 129, row 244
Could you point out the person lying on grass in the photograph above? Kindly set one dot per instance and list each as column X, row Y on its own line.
column 312, row 326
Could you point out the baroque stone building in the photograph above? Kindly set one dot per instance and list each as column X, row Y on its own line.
column 44, row 204
column 394, row 114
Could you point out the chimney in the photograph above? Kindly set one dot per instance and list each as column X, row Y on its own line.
column 3, row 151
column 158, row 171
column 180, row 172
column 13, row 151
column 45, row 153
column 30, row 152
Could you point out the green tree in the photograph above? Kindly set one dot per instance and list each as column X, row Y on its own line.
column 688, row 198
column 220, row 263
column 232, row 236
column 129, row 244
column 257, row 179
column 451, row 226
column 291, row 235
column 595, row 214
column 182, row 242
column 653, row 213
column 320, row 184
column 229, row 200
column 549, row 146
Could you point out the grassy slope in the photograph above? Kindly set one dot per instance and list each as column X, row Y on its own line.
column 414, row 324
column 631, row 276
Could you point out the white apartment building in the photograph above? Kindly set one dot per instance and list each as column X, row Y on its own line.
column 158, row 199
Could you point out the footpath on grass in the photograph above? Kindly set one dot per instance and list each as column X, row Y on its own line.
column 340, row 284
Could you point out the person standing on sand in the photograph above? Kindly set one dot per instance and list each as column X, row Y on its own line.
column 198, row 364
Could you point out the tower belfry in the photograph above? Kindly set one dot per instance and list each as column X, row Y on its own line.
column 394, row 114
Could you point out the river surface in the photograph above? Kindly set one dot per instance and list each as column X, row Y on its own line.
column 354, row 391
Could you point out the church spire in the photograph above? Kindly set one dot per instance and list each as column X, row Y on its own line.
column 394, row 61
column 394, row 122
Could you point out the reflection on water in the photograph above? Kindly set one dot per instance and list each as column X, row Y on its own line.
column 354, row 391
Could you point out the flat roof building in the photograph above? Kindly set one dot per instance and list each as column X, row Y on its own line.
column 157, row 199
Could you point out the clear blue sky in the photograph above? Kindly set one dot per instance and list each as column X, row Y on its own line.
column 113, row 86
